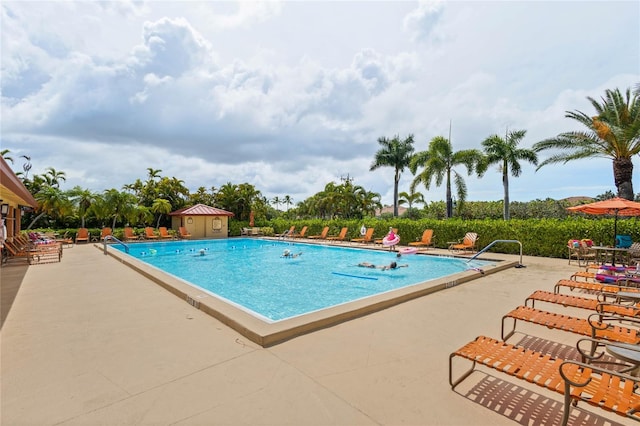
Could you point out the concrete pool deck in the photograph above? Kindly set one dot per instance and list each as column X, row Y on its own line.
column 89, row 341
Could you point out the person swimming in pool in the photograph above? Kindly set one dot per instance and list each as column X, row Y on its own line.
column 287, row 253
column 392, row 265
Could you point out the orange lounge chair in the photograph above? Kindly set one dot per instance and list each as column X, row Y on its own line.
column 149, row 234
column 83, row 235
column 596, row 326
column 604, row 388
column 288, row 233
column 42, row 253
column 468, row 243
column 340, row 237
column 322, row 235
column 631, row 309
column 426, row 241
column 105, row 233
column 129, row 234
column 301, row 234
column 183, row 232
column 367, row 238
column 164, row 233
column 589, row 286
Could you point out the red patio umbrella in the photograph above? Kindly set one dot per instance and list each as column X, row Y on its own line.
column 614, row 206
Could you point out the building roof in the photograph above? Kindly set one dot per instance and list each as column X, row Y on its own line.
column 200, row 210
column 12, row 189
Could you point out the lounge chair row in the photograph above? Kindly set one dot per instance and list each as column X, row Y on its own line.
column 613, row 322
column 34, row 252
column 83, row 234
column 426, row 241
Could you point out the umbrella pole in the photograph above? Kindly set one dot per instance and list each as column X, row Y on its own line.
column 615, row 232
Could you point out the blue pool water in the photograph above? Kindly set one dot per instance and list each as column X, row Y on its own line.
column 251, row 272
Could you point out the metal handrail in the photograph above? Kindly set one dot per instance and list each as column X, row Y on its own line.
column 111, row 237
column 520, row 265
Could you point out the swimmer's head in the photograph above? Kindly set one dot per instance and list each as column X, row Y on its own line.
column 286, row 252
column 393, row 265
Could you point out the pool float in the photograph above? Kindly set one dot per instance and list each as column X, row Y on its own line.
column 408, row 250
column 610, row 279
column 391, row 239
column 362, row 277
column 619, row 269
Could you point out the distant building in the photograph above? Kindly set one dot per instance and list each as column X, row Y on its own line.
column 14, row 197
column 202, row 221
column 389, row 209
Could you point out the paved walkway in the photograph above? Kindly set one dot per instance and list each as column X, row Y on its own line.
column 90, row 342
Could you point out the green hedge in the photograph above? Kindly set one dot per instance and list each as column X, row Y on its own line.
column 539, row 237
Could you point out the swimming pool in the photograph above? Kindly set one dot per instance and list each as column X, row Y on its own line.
column 253, row 275
column 323, row 271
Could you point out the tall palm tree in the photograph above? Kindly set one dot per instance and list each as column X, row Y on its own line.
column 614, row 132
column 394, row 153
column 276, row 201
column 287, row 200
column 505, row 153
column 439, row 161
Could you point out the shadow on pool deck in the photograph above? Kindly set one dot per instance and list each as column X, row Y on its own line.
column 89, row 341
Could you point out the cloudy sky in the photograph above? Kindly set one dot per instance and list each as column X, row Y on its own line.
column 289, row 96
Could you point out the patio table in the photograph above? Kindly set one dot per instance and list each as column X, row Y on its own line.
column 603, row 253
column 627, row 353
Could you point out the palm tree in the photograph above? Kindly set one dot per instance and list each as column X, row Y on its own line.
column 394, row 153
column 613, row 133
column 53, row 177
column 82, row 198
column 439, row 161
column 51, row 202
column 276, row 201
column 411, row 198
column 5, row 154
column 160, row 206
column 506, row 154
column 287, row 201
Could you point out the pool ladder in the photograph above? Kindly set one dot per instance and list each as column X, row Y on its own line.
column 519, row 265
column 111, row 237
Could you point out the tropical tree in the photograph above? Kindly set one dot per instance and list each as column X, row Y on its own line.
column 5, row 154
column 121, row 204
column 394, row 153
column 411, row 198
column 160, row 206
column 287, row 200
column 614, row 132
column 53, row 177
column 82, row 199
column 276, row 201
column 439, row 161
column 505, row 153
column 51, row 202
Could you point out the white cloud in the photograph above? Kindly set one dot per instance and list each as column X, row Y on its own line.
column 290, row 96
column 422, row 21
